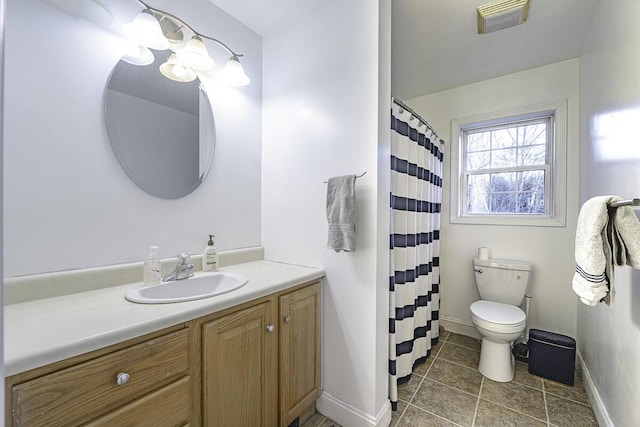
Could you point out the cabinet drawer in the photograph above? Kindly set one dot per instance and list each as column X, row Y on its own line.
column 169, row 406
column 82, row 392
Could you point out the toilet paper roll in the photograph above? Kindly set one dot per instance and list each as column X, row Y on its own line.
column 483, row 253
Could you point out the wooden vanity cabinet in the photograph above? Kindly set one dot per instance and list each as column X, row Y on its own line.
column 142, row 383
column 261, row 362
column 239, row 382
column 168, row 406
column 254, row 365
column 299, row 351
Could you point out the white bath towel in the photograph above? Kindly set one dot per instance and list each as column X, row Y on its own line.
column 341, row 213
column 625, row 237
column 593, row 252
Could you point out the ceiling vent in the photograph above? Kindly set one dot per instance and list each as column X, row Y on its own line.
column 502, row 14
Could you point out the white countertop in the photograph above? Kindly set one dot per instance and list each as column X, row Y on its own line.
column 44, row 331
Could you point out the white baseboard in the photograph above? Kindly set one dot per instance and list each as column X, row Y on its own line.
column 599, row 410
column 458, row 326
column 346, row 415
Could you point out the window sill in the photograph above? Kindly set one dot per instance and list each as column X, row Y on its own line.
column 508, row 220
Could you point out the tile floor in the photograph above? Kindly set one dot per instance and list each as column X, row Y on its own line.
column 447, row 390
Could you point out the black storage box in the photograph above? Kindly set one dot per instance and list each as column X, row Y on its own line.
column 552, row 356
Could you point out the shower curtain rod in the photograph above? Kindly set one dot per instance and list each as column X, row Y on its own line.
column 417, row 116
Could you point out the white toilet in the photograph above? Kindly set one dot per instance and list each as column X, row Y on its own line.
column 497, row 316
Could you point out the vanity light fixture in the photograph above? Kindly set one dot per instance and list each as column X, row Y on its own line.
column 175, row 70
column 138, row 55
column 189, row 57
column 233, row 74
column 195, row 55
column 145, row 30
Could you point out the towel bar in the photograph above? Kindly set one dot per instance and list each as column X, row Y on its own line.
column 357, row 176
column 632, row 202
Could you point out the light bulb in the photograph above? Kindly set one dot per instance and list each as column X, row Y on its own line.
column 174, row 70
column 179, row 70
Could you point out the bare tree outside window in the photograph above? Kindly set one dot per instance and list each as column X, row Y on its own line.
column 505, row 168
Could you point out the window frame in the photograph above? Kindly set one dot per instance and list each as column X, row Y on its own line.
column 555, row 179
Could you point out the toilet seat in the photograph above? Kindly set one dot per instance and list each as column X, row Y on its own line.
column 497, row 316
column 496, row 312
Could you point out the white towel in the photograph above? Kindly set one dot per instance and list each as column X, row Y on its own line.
column 341, row 213
column 593, row 252
column 625, row 237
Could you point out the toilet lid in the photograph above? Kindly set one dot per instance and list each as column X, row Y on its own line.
column 496, row 312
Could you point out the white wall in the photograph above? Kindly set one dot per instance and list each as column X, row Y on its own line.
column 67, row 202
column 549, row 248
column 321, row 119
column 609, row 337
column 2, row 26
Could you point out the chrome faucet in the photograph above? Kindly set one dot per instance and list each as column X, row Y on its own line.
column 182, row 270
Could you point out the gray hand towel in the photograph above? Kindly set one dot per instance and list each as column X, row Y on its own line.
column 341, row 213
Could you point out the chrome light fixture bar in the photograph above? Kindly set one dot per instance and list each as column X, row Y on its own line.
column 157, row 29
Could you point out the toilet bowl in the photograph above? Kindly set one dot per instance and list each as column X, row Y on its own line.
column 502, row 285
column 499, row 325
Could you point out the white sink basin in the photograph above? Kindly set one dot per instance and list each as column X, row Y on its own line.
column 202, row 285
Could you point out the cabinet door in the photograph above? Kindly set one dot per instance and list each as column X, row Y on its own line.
column 239, row 369
column 299, row 351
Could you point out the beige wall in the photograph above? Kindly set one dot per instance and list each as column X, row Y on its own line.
column 553, row 306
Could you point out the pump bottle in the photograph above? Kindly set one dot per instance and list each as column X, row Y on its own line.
column 151, row 267
column 210, row 256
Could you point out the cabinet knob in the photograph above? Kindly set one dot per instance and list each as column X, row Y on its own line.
column 271, row 328
column 287, row 319
column 122, row 378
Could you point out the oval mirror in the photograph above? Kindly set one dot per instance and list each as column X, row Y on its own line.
column 161, row 131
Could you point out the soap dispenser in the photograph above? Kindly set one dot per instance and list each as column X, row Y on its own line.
column 210, row 256
column 151, row 267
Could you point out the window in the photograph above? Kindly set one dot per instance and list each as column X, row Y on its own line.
column 508, row 167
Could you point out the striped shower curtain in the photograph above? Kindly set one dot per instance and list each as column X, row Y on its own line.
column 416, row 197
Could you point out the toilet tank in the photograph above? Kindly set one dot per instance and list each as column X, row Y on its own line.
column 502, row 280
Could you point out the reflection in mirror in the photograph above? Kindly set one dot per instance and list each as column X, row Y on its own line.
column 161, row 131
